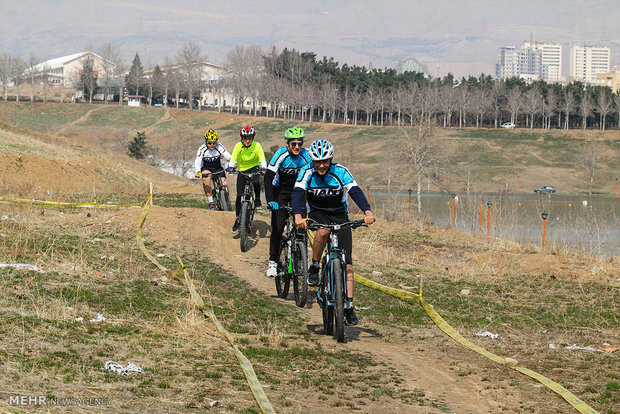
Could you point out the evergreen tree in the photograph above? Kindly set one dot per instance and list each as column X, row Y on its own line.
column 134, row 77
column 138, row 148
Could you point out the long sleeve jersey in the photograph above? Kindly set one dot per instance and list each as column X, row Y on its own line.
column 245, row 158
column 327, row 193
column 283, row 170
column 211, row 159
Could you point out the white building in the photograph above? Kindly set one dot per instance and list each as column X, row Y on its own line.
column 551, row 55
column 586, row 61
column 532, row 61
column 60, row 71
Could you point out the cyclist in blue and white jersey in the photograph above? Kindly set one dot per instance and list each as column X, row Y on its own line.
column 280, row 179
column 325, row 185
column 212, row 157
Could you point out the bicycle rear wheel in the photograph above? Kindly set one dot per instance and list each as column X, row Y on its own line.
column 300, row 276
column 338, row 299
column 328, row 310
column 245, row 223
column 283, row 278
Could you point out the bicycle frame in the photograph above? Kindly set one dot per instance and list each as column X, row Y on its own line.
column 333, row 251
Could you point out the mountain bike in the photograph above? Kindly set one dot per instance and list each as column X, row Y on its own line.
column 246, row 212
column 293, row 261
column 221, row 195
column 332, row 291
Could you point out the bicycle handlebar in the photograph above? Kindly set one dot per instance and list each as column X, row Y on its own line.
column 314, row 225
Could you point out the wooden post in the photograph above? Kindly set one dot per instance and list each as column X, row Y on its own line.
column 410, row 202
column 151, row 192
column 544, row 234
column 517, row 184
column 453, row 208
column 94, row 193
column 480, row 217
column 489, row 218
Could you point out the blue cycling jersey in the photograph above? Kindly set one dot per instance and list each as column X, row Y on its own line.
column 327, row 193
column 286, row 167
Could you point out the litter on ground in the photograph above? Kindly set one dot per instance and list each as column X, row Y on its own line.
column 487, row 334
column 131, row 368
column 22, row 266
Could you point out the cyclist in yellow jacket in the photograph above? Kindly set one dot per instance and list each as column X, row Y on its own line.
column 248, row 155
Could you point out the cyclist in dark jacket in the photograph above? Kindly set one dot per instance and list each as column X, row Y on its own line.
column 280, row 179
column 325, row 185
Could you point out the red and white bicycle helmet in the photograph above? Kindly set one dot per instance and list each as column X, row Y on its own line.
column 247, row 131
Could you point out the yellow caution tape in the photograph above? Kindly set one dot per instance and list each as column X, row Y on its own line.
column 246, row 365
column 572, row 399
column 61, row 204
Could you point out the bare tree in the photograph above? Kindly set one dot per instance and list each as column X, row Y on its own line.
column 585, row 108
column 462, row 97
column 31, row 72
column 6, row 61
column 498, row 95
column 568, row 105
column 44, row 80
column 604, row 106
column 17, row 74
column 190, row 65
column 617, row 106
column 587, row 160
column 514, row 103
column 532, row 100
column 110, row 55
column 119, row 73
column 424, row 152
column 245, row 66
column 552, row 108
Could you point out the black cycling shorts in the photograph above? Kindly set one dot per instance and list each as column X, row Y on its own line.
column 345, row 238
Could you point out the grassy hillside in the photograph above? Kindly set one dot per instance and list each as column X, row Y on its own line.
column 491, row 159
column 395, row 361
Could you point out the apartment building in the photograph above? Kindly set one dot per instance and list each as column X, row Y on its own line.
column 532, row 61
column 587, row 61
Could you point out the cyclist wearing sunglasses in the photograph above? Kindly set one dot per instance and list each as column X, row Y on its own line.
column 211, row 159
column 325, row 185
column 279, row 182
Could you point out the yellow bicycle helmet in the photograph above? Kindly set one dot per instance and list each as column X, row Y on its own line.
column 211, row 136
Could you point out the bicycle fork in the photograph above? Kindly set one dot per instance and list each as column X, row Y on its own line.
column 327, row 274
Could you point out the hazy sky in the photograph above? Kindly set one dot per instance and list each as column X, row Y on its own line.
column 444, row 34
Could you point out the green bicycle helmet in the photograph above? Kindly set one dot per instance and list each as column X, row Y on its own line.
column 294, row 133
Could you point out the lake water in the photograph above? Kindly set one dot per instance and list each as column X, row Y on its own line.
column 589, row 225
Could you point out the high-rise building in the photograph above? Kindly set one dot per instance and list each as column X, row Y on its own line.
column 551, row 65
column 532, row 61
column 586, row 61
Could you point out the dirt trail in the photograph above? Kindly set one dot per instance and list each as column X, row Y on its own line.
column 80, row 119
column 434, row 366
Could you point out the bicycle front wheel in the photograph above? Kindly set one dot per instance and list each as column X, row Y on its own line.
column 300, row 276
column 225, row 199
column 245, row 223
column 283, row 278
column 338, row 299
column 328, row 310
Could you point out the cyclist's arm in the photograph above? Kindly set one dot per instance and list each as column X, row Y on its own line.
column 297, row 200
column 357, row 195
column 269, row 193
column 198, row 161
column 224, row 152
column 261, row 156
column 232, row 163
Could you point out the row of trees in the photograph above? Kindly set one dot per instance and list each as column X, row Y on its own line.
column 291, row 84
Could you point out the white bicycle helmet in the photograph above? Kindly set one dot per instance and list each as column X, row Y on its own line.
column 321, row 149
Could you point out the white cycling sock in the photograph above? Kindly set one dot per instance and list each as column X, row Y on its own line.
column 210, row 199
column 348, row 304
